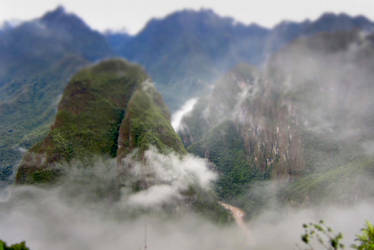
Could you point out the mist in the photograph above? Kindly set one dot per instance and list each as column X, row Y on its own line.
column 48, row 218
column 306, row 120
column 82, row 213
column 184, row 110
column 302, row 124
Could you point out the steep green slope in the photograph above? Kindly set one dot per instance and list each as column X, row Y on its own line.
column 110, row 110
column 95, row 104
column 225, row 147
column 347, row 183
column 37, row 59
column 26, row 117
column 147, row 122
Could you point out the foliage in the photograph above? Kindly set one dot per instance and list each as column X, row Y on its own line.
column 366, row 238
column 106, row 109
column 323, row 234
column 225, row 148
column 45, row 176
column 90, row 113
column 147, row 122
column 18, row 246
column 310, row 187
column 324, row 237
column 25, row 119
column 33, row 77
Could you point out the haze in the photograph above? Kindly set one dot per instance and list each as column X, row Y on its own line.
column 133, row 15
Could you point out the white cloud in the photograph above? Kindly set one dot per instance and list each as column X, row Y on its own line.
column 184, row 110
column 165, row 177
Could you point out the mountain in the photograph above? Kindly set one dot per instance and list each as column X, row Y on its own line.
column 247, row 130
column 287, row 31
column 296, row 118
column 8, row 25
column 108, row 109
column 112, row 110
column 186, row 50
column 36, row 60
column 117, row 40
column 51, row 37
column 184, row 53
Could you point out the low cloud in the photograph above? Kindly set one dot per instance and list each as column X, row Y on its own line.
column 165, row 177
column 178, row 115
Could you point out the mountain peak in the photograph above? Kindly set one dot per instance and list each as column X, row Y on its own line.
column 60, row 16
column 192, row 17
column 342, row 18
column 58, row 12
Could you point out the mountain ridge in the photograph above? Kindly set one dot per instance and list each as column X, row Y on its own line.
column 182, row 66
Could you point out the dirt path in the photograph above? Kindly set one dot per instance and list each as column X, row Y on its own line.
column 238, row 215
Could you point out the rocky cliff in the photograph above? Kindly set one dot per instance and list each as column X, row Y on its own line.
column 305, row 113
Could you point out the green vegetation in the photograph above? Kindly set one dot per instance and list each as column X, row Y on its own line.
column 299, row 121
column 106, row 109
column 18, row 246
column 89, row 116
column 147, row 122
column 366, row 238
column 206, row 204
column 225, row 148
column 26, row 117
column 323, row 236
column 245, row 152
column 91, row 111
column 330, row 183
column 32, row 78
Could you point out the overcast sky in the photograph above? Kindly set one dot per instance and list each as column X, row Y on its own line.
column 133, row 14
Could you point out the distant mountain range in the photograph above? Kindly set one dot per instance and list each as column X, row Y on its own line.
column 184, row 54
column 187, row 50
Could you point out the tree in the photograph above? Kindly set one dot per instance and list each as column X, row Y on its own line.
column 366, row 239
column 18, row 246
column 318, row 235
column 323, row 234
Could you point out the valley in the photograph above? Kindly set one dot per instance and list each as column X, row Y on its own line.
column 213, row 133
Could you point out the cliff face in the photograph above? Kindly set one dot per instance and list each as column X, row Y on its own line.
column 247, row 129
column 103, row 106
column 305, row 113
column 147, row 122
